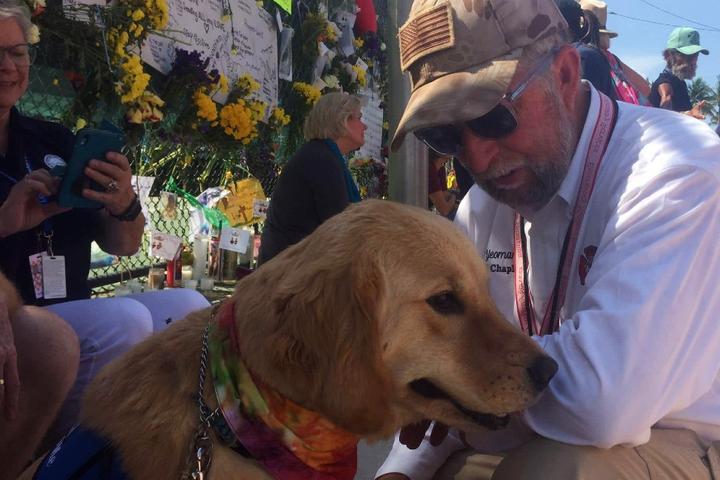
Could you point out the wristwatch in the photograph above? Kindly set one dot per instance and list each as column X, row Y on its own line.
column 131, row 212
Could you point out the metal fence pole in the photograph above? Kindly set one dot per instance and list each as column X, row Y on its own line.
column 408, row 167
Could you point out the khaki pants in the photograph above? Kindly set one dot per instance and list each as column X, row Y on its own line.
column 669, row 455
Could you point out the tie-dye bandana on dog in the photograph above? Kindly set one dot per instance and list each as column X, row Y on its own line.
column 291, row 442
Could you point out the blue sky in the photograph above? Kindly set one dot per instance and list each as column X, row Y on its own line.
column 640, row 43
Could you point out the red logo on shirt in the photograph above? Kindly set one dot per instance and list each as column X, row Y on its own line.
column 586, row 260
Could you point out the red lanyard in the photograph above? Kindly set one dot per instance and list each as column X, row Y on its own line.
column 523, row 297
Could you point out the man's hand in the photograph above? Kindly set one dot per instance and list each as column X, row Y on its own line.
column 23, row 210
column 115, row 175
column 412, row 435
column 10, row 384
column 697, row 110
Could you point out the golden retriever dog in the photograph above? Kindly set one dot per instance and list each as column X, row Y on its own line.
column 379, row 319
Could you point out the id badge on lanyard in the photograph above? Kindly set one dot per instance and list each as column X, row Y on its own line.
column 46, row 269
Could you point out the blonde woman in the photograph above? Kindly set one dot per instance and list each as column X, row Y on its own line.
column 316, row 183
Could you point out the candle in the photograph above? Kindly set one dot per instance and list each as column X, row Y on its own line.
column 187, row 273
column 122, row 290
column 134, row 285
column 170, row 273
column 155, row 278
column 200, row 254
column 207, row 283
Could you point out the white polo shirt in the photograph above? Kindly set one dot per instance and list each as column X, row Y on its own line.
column 639, row 344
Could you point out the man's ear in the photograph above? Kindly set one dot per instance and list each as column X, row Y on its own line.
column 567, row 73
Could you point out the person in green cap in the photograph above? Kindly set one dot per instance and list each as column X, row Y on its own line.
column 669, row 90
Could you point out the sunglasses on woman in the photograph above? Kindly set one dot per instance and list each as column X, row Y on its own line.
column 499, row 122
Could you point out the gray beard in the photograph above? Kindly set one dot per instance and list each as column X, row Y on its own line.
column 683, row 72
column 549, row 174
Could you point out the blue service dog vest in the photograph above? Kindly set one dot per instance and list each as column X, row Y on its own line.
column 81, row 455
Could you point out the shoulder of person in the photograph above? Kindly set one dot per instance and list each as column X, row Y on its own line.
column 44, row 127
column 46, row 132
column 594, row 63
column 589, row 51
column 656, row 139
column 665, row 77
column 315, row 154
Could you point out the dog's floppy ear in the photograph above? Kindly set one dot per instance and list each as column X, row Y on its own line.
column 326, row 334
column 322, row 310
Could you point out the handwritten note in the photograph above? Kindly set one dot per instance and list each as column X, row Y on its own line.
column 142, row 186
column 165, row 246
column 75, row 3
column 75, row 9
column 234, row 239
column 239, row 206
column 372, row 116
column 246, row 42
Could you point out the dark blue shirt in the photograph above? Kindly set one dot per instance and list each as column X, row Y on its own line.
column 680, row 97
column 596, row 69
column 73, row 231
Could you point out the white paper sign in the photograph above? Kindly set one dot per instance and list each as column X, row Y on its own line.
column 234, row 239
column 164, row 245
column 75, row 3
column 200, row 26
column 372, row 116
column 142, row 186
column 75, row 10
column 260, row 208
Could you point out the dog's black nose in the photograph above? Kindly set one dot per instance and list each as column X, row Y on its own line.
column 542, row 370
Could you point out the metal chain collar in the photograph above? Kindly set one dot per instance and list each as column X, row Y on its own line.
column 200, row 455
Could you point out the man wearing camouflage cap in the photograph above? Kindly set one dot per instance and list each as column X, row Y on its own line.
column 600, row 233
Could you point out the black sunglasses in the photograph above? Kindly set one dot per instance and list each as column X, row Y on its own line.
column 499, row 122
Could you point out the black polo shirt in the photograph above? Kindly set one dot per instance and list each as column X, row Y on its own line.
column 596, row 69
column 310, row 189
column 680, row 97
column 30, row 141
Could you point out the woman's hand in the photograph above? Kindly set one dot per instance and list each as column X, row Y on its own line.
column 115, row 175
column 23, row 209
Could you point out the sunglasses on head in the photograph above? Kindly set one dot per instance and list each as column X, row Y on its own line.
column 499, row 122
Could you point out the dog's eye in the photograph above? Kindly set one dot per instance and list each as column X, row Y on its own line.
column 445, row 303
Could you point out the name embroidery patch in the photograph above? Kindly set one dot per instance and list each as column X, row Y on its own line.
column 500, row 261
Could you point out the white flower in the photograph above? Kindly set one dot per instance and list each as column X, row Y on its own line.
column 332, row 81
column 38, row 3
column 34, row 34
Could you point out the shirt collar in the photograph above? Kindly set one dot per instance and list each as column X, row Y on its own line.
column 20, row 122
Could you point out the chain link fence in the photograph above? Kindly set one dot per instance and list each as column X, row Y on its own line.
column 104, row 277
column 52, row 94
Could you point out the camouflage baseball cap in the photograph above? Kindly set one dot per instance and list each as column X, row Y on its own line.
column 462, row 54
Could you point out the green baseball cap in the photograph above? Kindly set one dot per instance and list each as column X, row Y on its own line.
column 686, row 40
